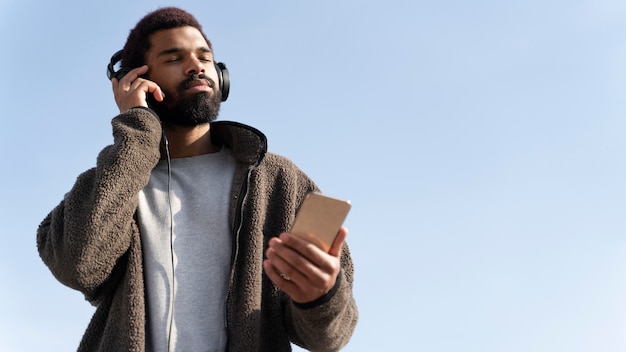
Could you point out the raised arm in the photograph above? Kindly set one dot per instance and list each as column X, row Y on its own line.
column 88, row 233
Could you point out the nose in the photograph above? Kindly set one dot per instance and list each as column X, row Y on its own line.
column 194, row 66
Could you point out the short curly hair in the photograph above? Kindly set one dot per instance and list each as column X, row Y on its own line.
column 138, row 44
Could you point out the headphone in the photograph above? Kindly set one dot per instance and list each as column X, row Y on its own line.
column 222, row 73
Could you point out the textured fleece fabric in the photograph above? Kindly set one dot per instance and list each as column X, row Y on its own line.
column 91, row 242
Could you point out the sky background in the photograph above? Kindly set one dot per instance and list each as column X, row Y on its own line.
column 482, row 144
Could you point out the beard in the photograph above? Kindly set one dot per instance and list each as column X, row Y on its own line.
column 187, row 110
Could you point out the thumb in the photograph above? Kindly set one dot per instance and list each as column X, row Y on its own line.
column 335, row 249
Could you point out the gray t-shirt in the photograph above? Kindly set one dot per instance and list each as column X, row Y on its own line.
column 186, row 244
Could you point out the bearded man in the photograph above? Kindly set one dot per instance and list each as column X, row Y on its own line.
column 179, row 235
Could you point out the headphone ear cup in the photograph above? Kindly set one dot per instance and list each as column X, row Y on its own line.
column 224, row 79
column 117, row 57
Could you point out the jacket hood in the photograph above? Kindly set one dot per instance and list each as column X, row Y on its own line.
column 248, row 144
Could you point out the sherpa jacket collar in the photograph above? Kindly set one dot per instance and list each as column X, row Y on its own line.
column 248, row 144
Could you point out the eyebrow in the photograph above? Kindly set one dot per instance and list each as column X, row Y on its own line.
column 204, row 49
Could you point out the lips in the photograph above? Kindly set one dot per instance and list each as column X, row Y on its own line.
column 198, row 83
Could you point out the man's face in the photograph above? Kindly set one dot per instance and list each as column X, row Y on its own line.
column 181, row 63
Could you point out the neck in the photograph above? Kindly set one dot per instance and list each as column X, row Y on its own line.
column 186, row 142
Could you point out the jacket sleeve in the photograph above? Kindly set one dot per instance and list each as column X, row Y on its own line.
column 328, row 323
column 86, row 236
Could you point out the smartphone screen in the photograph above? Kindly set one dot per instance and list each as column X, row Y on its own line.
column 319, row 218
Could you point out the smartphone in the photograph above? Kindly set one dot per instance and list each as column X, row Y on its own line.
column 319, row 218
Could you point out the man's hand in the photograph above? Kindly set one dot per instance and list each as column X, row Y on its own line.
column 301, row 269
column 131, row 90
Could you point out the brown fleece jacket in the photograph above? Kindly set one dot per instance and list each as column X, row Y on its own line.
column 91, row 243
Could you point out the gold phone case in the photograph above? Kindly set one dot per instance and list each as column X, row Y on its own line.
column 319, row 218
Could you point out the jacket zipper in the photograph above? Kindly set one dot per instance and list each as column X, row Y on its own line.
column 236, row 231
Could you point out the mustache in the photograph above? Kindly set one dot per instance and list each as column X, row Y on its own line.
column 196, row 77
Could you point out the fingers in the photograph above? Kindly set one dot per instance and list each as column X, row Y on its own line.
column 290, row 261
column 295, row 286
column 299, row 251
column 300, row 268
column 281, row 273
column 291, row 280
column 306, row 256
column 131, row 90
column 133, row 74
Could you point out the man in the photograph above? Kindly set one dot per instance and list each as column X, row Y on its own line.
column 179, row 234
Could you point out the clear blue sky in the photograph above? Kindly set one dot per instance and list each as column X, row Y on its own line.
column 482, row 144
